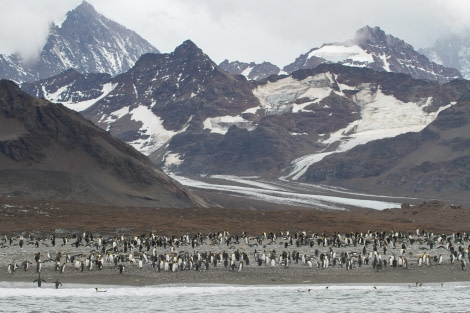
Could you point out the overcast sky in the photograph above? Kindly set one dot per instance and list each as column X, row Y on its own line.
column 277, row 31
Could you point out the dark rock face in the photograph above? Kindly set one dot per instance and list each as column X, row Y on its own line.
column 183, row 84
column 87, row 42
column 82, row 87
column 279, row 138
column 251, row 71
column 433, row 162
column 265, row 150
column 50, row 152
column 374, row 49
column 192, row 118
column 179, row 90
column 11, row 67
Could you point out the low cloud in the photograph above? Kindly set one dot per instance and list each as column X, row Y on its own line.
column 277, row 31
column 24, row 25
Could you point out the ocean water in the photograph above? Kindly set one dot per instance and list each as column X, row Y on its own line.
column 449, row 297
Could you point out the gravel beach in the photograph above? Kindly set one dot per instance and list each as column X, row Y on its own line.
column 350, row 256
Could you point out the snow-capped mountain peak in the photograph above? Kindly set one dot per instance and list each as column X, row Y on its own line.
column 86, row 41
column 373, row 48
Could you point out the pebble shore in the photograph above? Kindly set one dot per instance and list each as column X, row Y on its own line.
column 265, row 259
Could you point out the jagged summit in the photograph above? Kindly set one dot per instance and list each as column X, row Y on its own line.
column 86, row 41
column 83, row 13
column 367, row 35
column 85, row 7
column 187, row 47
column 161, row 95
column 373, row 48
column 187, row 57
column 252, row 70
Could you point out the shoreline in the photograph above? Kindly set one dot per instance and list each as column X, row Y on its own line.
column 251, row 276
column 22, row 285
column 221, row 258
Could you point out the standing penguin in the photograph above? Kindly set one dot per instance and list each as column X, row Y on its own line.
column 273, row 262
column 240, row 266
column 12, row 267
column 57, row 283
column 26, row 265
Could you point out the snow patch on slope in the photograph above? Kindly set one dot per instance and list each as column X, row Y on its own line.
column 246, row 72
column 63, row 93
column 153, row 127
column 114, row 116
column 172, row 159
column 382, row 116
column 155, row 134
column 221, row 124
column 339, row 53
column 276, row 98
column 279, row 97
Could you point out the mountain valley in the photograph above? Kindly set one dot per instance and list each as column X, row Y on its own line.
column 367, row 123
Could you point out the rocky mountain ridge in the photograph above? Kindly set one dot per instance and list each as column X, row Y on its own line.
column 251, row 71
column 87, row 42
column 163, row 94
column 432, row 162
column 193, row 118
column 48, row 152
column 371, row 48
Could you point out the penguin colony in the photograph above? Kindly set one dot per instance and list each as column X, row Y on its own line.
column 235, row 252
